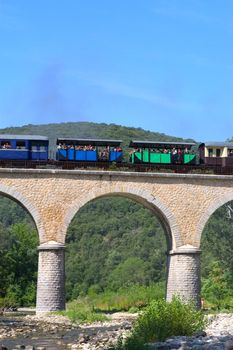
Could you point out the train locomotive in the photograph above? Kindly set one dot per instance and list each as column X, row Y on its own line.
column 32, row 151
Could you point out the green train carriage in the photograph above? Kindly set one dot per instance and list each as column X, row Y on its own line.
column 158, row 152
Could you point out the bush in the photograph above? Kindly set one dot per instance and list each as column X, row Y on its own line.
column 162, row 320
column 216, row 289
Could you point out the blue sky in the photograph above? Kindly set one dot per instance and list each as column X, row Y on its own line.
column 165, row 66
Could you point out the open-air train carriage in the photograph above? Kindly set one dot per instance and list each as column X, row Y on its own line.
column 161, row 152
column 89, row 150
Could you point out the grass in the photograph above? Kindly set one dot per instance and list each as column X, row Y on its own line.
column 92, row 307
column 80, row 311
column 133, row 298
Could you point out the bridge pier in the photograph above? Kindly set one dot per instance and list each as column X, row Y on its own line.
column 51, row 278
column 184, row 274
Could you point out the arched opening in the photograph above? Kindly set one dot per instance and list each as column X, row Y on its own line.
column 217, row 258
column 116, row 244
column 18, row 251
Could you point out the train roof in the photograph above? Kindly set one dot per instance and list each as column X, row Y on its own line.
column 218, row 144
column 93, row 142
column 156, row 144
column 23, row 137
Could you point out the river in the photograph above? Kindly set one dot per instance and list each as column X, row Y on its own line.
column 16, row 329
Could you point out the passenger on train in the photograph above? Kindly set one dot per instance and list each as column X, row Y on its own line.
column 6, row 146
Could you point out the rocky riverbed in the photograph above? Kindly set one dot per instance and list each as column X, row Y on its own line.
column 58, row 333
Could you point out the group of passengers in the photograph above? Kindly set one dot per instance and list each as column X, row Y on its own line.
column 6, row 146
column 86, row 148
column 76, row 147
column 172, row 151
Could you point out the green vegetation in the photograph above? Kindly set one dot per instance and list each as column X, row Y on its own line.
column 93, row 307
column 217, row 260
column 135, row 297
column 18, row 264
column 113, row 243
column 161, row 320
column 18, row 252
column 81, row 311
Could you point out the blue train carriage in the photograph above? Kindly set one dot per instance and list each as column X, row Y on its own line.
column 160, row 152
column 214, row 153
column 89, row 150
column 23, row 147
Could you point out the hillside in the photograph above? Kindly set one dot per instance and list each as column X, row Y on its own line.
column 90, row 130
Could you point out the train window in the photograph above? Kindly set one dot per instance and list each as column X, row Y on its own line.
column 218, row 152
column 210, row 152
column 38, row 146
column 5, row 144
column 20, row 144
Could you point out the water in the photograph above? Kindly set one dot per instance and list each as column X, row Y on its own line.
column 56, row 339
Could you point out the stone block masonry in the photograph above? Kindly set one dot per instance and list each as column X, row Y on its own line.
column 184, row 274
column 51, row 278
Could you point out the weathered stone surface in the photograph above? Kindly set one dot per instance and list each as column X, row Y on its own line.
column 184, row 274
column 51, row 278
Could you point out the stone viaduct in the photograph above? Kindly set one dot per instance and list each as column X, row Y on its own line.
column 182, row 202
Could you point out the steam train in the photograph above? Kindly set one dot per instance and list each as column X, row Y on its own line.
column 32, row 151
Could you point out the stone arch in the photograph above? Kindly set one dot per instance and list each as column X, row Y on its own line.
column 16, row 196
column 164, row 214
column 216, row 204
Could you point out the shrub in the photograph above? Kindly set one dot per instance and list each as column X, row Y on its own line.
column 161, row 320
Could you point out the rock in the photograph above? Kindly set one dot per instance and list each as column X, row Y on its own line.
column 199, row 334
column 198, row 347
column 3, row 347
column 229, row 345
column 29, row 347
column 20, row 347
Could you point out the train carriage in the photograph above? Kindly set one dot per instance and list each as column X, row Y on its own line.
column 23, row 147
column 161, row 152
column 89, row 150
column 214, row 153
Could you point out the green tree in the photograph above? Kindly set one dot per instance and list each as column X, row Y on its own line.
column 18, row 267
column 215, row 287
column 131, row 271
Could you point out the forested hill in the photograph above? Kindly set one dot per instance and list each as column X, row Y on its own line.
column 90, row 130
